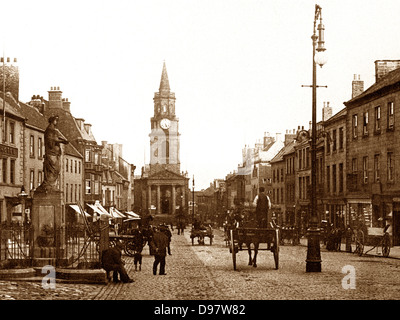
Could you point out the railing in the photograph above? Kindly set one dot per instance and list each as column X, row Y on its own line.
column 74, row 246
column 15, row 244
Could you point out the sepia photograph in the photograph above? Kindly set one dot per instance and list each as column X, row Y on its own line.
column 199, row 158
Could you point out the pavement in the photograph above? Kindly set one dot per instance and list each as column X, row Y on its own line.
column 368, row 250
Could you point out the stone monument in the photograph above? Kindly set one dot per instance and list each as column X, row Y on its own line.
column 48, row 212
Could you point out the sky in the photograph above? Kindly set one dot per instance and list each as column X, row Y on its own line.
column 236, row 66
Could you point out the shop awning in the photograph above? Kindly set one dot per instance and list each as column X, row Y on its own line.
column 77, row 209
column 132, row 214
column 116, row 214
column 99, row 209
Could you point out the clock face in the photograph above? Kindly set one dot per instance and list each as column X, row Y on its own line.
column 165, row 123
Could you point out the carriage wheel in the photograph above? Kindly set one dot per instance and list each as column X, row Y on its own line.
column 129, row 248
column 276, row 249
column 360, row 242
column 233, row 250
column 386, row 245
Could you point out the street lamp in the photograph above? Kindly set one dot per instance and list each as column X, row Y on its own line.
column 22, row 196
column 193, row 201
column 313, row 262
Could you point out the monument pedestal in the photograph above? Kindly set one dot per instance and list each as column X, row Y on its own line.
column 48, row 222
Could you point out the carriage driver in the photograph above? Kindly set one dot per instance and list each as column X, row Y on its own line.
column 263, row 206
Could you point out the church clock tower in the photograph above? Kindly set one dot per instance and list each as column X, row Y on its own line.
column 164, row 136
column 162, row 189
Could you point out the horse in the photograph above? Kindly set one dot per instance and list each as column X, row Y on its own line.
column 251, row 238
column 334, row 239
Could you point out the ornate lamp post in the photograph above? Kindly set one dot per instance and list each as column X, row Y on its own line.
column 193, row 201
column 22, row 196
column 313, row 262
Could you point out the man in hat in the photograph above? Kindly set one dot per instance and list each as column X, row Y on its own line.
column 111, row 261
column 159, row 245
column 263, row 206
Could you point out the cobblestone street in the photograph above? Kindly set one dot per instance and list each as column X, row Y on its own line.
column 204, row 272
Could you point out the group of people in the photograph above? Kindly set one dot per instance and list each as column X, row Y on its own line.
column 159, row 244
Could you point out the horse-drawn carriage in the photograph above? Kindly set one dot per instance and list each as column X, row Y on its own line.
column 252, row 237
column 289, row 235
column 201, row 233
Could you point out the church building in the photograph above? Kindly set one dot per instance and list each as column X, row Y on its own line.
column 162, row 189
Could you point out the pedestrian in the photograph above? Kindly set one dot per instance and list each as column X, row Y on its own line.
column 159, row 245
column 263, row 206
column 164, row 228
column 111, row 261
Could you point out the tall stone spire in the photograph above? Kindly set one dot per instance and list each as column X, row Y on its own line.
column 164, row 84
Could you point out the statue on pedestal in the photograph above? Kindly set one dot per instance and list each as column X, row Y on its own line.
column 52, row 158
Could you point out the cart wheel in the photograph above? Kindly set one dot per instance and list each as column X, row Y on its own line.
column 129, row 248
column 386, row 245
column 360, row 242
column 233, row 250
column 276, row 249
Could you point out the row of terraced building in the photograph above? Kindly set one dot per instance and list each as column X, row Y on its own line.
column 358, row 164
column 91, row 173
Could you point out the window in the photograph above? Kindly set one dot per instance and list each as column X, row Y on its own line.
column 390, row 124
column 87, row 155
column 328, row 144
column 40, row 178
column 341, row 177
column 334, row 178
column 32, row 146
column 376, row 168
column 4, row 170
column 341, row 138
column 66, row 192
column 5, row 131
column 96, row 158
column 76, row 166
column 334, row 138
column 354, row 165
column 79, row 167
column 71, row 165
column 355, row 126
column 328, row 179
column 31, row 179
column 88, row 186
column 40, row 148
column 12, row 171
column 365, row 124
column 365, row 169
column 378, row 119
column 66, row 165
column 12, row 133
column 390, row 166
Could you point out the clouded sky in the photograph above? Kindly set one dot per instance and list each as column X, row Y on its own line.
column 236, row 66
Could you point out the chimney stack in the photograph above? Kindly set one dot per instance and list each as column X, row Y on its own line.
column 357, row 86
column 66, row 105
column 326, row 111
column 55, row 98
column 383, row 67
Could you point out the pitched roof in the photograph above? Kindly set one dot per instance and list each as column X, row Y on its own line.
column 390, row 79
column 33, row 117
column 11, row 106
